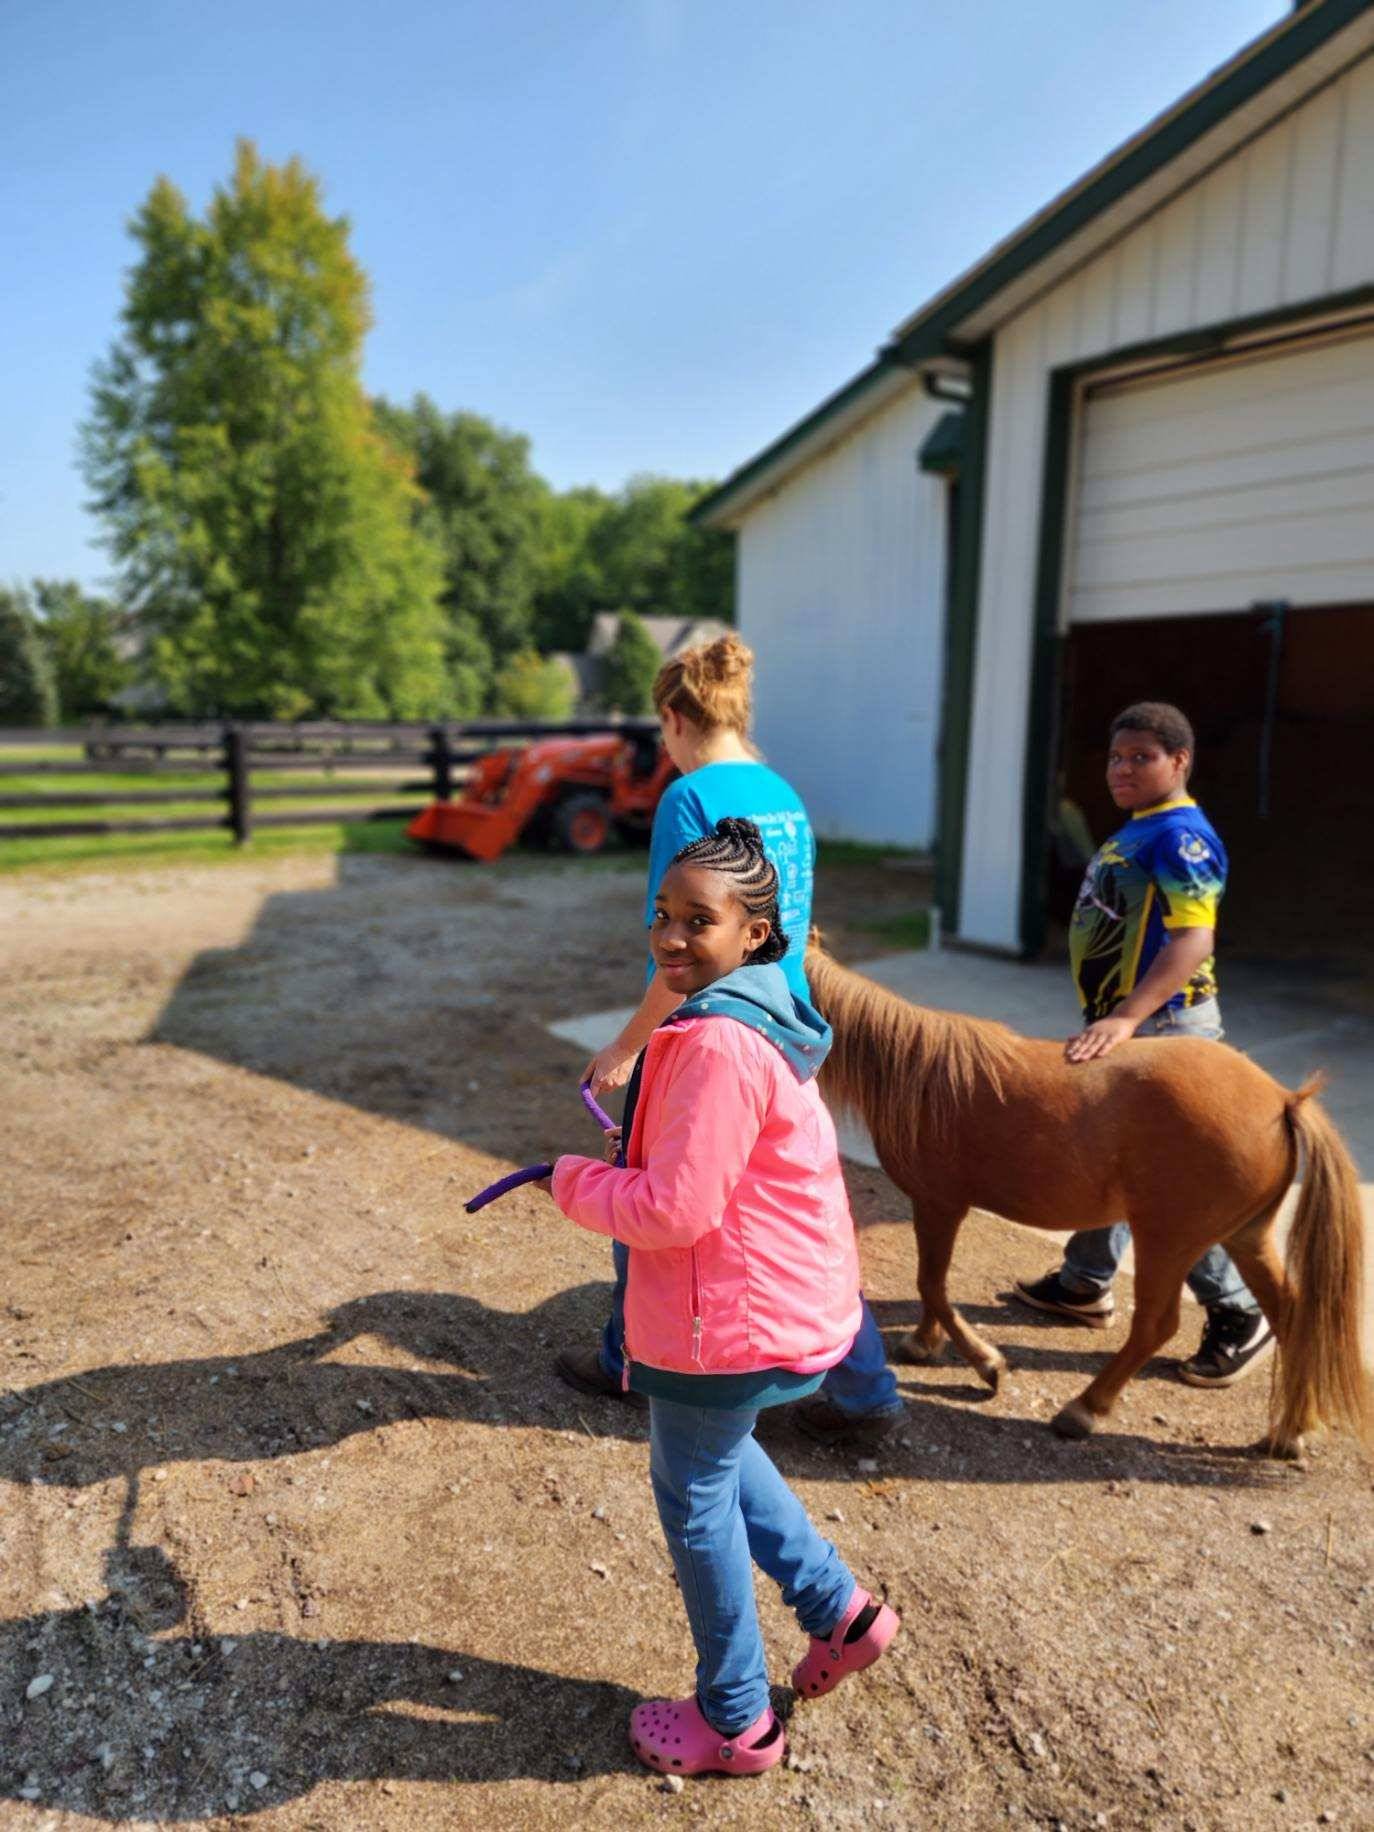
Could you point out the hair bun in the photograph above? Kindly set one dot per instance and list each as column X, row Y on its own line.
column 725, row 659
column 742, row 832
column 709, row 684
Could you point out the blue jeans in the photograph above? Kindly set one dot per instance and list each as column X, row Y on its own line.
column 1093, row 1256
column 861, row 1383
column 725, row 1509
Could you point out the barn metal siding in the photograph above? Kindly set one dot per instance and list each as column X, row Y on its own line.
column 1286, row 221
column 1208, row 488
column 841, row 580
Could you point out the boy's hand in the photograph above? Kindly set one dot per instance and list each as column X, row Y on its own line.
column 1099, row 1039
column 612, row 1136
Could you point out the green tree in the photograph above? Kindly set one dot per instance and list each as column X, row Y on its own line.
column 532, row 686
column 568, row 588
column 631, row 666
column 84, row 639
column 28, row 692
column 265, row 530
column 484, row 508
column 635, row 550
column 652, row 560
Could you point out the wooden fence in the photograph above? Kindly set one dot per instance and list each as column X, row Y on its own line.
column 243, row 754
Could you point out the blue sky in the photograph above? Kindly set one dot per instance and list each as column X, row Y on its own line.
column 649, row 234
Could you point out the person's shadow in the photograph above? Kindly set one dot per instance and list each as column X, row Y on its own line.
column 138, row 1723
column 116, row 1421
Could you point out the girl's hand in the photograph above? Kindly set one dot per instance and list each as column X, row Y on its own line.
column 543, row 1183
column 612, row 1136
column 609, row 1068
column 1099, row 1039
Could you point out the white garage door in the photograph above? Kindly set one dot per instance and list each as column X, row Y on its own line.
column 1208, row 488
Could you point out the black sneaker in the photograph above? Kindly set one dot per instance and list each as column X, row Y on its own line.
column 826, row 1423
column 581, row 1369
column 1093, row 1308
column 1233, row 1342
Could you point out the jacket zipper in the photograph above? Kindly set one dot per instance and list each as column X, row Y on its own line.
column 696, row 1311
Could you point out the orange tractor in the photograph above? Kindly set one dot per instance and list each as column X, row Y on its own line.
column 571, row 793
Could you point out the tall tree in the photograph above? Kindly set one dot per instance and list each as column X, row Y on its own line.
column 28, row 692
column 86, row 642
column 484, row 507
column 264, row 529
column 568, row 588
column 635, row 550
column 631, row 666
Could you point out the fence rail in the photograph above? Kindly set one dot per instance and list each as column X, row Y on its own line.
column 242, row 752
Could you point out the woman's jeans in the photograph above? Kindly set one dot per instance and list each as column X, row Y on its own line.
column 725, row 1509
column 1092, row 1257
column 861, row 1383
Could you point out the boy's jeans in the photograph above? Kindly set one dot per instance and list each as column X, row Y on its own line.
column 1092, row 1257
column 725, row 1509
column 861, row 1383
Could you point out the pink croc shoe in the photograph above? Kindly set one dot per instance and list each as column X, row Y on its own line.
column 672, row 1736
column 829, row 1661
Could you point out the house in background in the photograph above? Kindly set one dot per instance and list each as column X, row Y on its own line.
column 670, row 635
column 1161, row 486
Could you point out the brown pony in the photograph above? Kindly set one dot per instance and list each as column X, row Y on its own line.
column 1188, row 1140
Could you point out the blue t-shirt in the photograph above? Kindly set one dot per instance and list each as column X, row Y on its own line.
column 1163, row 871
column 689, row 810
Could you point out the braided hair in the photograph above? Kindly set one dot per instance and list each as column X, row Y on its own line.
column 735, row 850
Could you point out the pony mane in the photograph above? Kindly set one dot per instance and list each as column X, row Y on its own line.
column 904, row 1069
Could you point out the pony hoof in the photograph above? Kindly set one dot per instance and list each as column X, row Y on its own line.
column 924, row 1355
column 1286, row 1450
column 1074, row 1421
column 991, row 1372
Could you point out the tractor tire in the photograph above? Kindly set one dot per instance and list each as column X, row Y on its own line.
column 581, row 824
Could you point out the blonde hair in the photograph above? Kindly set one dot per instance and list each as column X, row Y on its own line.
column 709, row 685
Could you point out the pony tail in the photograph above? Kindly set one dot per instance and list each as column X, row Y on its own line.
column 1321, row 1377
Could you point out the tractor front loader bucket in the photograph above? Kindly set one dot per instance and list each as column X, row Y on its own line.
column 481, row 831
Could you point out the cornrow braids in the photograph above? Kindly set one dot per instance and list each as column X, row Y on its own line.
column 735, row 850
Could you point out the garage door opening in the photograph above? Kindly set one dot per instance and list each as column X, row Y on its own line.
column 1284, row 766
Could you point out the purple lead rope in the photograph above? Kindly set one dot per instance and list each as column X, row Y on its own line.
column 534, row 1173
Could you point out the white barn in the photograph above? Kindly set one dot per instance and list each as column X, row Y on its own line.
column 1165, row 488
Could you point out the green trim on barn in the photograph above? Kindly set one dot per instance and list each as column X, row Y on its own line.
column 845, row 397
column 1305, row 32
column 1047, row 653
column 1047, row 664
column 961, row 643
column 935, row 331
column 941, row 452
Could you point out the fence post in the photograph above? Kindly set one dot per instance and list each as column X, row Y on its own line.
column 236, row 763
column 442, row 758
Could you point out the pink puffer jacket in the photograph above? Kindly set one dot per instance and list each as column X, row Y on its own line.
column 734, row 1205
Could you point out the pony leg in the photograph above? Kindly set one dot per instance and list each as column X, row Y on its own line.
column 1158, row 1293
column 936, row 1233
column 1256, row 1253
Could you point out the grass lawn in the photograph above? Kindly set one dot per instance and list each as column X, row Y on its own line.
column 205, row 796
column 81, row 851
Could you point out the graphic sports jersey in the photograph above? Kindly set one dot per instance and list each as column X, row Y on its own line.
column 1164, row 870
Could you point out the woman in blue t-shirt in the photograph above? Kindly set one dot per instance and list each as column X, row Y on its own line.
column 703, row 701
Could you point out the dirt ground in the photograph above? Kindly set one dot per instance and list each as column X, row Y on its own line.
column 297, row 1523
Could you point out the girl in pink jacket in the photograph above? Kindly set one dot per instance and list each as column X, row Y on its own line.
column 743, row 1290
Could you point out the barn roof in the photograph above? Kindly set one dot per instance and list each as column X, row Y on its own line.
column 1265, row 79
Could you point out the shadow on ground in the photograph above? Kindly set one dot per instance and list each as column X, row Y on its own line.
column 209, row 1724
column 117, row 1421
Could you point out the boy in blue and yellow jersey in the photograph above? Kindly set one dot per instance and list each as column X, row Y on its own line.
column 1141, row 947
